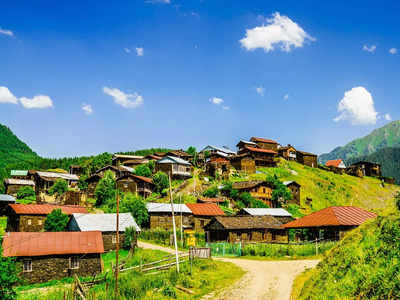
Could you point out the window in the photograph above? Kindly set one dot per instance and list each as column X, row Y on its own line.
column 28, row 265
column 74, row 262
column 202, row 223
column 114, row 239
column 40, row 222
column 29, row 222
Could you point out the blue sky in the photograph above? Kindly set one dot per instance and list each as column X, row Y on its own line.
column 153, row 73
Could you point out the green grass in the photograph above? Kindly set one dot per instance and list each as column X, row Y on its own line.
column 3, row 225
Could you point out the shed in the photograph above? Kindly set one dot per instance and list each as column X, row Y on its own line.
column 203, row 213
column 47, row 256
column 244, row 162
column 278, row 213
column 295, row 188
column 161, row 215
column 106, row 223
column 12, row 185
column 307, row 159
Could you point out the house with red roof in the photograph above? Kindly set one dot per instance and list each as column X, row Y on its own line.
column 336, row 163
column 45, row 256
column 265, row 143
column 31, row 217
column 203, row 213
column 332, row 222
column 262, row 151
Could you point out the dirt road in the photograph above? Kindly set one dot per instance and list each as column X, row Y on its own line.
column 270, row 280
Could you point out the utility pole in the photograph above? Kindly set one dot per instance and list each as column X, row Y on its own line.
column 180, row 202
column 173, row 224
column 117, row 240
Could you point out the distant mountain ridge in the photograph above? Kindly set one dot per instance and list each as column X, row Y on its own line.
column 384, row 137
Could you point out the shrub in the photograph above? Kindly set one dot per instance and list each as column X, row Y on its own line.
column 143, row 170
column 212, row 192
column 56, row 221
column 160, row 181
column 26, row 195
column 105, row 189
column 136, row 206
column 8, row 278
column 130, row 238
column 59, row 187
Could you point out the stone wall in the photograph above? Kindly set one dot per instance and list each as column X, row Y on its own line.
column 108, row 243
column 164, row 221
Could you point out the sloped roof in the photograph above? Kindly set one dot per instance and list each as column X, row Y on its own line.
column 248, row 184
column 45, row 209
column 333, row 163
column 57, row 175
column 219, row 160
column 262, row 140
column 152, row 156
column 289, row 182
column 52, row 243
column 172, row 159
column 19, row 172
column 252, row 149
column 104, row 222
column 127, row 156
column 275, row 212
column 205, row 209
column 246, row 143
column 18, row 181
column 142, row 178
column 178, row 153
column 333, row 216
column 306, row 153
column 166, row 207
column 211, row 200
column 247, row 222
column 220, row 149
column 7, row 198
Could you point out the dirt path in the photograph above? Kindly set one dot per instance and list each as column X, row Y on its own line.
column 270, row 280
column 145, row 245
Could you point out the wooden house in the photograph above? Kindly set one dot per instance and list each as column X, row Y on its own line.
column 161, row 215
column 282, row 215
column 203, row 213
column 295, row 189
column 176, row 167
column 127, row 160
column 265, row 143
column 332, row 222
column 244, row 163
column 12, row 185
column 243, row 143
column 31, row 217
column 218, row 167
column 76, row 170
column 135, row 184
column 44, row 180
column 258, row 189
column 181, row 154
column 288, row 152
column 245, row 229
column 262, row 157
column 106, row 224
column 44, row 256
column 369, row 168
column 337, row 166
column 356, row 171
column 153, row 157
column 215, row 152
column 307, row 159
column 5, row 200
column 211, row 200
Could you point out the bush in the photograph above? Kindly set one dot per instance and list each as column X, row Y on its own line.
column 26, row 195
column 136, row 206
column 82, row 184
column 160, row 181
column 130, row 238
column 143, row 170
column 56, row 221
column 8, row 277
column 212, row 192
column 105, row 189
column 59, row 187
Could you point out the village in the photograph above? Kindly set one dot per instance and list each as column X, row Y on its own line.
column 197, row 200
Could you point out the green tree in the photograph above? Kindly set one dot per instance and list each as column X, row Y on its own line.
column 82, row 184
column 130, row 238
column 160, row 181
column 56, row 221
column 59, row 187
column 105, row 189
column 280, row 194
column 8, row 277
column 143, row 170
column 192, row 151
column 136, row 206
column 152, row 165
column 26, row 195
column 212, row 192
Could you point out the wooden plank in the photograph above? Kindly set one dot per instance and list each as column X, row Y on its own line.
column 183, row 289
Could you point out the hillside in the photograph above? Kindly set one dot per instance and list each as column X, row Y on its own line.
column 364, row 265
column 387, row 136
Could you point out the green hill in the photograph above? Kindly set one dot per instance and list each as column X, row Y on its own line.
column 387, row 136
column 364, row 265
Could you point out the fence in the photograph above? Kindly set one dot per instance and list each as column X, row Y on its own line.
column 225, row 249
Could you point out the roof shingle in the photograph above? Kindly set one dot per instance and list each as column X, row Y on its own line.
column 205, row 209
column 45, row 209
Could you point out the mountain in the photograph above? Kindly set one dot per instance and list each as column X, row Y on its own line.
column 387, row 136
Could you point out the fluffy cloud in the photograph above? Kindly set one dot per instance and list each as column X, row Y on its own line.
column 140, row 51
column 392, row 50
column 370, row 49
column 357, row 106
column 87, row 108
column 39, row 101
column 286, row 97
column 216, row 100
column 388, row 117
column 125, row 100
column 280, row 31
column 6, row 32
column 260, row 90
column 6, row 96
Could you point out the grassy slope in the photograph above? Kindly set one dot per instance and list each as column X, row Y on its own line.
column 328, row 189
column 364, row 265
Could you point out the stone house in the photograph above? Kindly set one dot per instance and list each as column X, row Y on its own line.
column 12, row 185
column 258, row 189
column 295, row 189
column 106, row 224
column 245, row 229
column 203, row 213
column 31, row 217
column 45, row 256
column 282, row 215
column 161, row 216
column 175, row 167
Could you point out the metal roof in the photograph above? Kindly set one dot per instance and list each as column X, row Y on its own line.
column 58, row 175
column 19, row 181
column 102, row 222
column 205, row 209
column 45, row 209
column 173, row 159
column 333, row 216
column 290, row 182
column 220, row 149
column 275, row 212
column 52, row 243
column 166, row 207
column 127, row 156
column 19, row 172
column 7, row 198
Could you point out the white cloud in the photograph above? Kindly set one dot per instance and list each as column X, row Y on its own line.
column 6, row 32
column 286, row 97
column 260, row 90
column 6, row 96
column 127, row 50
column 392, row 50
column 388, row 117
column 87, row 108
column 357, row 106
column 140, row 51
column 280, row 31
column 125, row 100
column 370, row 49
column 38, row 101
column 216, row 100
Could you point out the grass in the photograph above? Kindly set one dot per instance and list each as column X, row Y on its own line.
column 3, row 225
